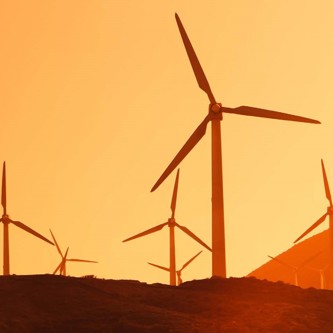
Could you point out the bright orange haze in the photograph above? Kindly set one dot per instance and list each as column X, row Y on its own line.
column 97, row 97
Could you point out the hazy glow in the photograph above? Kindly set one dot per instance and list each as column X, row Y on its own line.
column 97, row 97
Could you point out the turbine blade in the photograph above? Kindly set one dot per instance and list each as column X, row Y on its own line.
column 147, row 232
column 188, row 262
column 63, row 268
column 309, row 259
column 161, row 267
column 58, row 267
column 326, row 266
column 188, row 146
column 26, row 228
column 174, row 196
column 315, row 225
column 327, row 188
column 63, row 263
column 179, row 278
column 192, row 235
column 263, row 113
column 81, row 260
column 56, row 244
column 3, row 193
column 197, row 69
column 65, row 256
column 282, row 263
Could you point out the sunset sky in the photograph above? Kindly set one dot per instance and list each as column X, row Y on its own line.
column 96, row 98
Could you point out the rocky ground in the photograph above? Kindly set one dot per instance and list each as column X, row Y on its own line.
column 49, row 304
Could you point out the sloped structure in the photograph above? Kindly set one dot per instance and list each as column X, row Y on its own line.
column 309, row 275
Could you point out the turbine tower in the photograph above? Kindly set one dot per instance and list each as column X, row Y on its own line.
column 321, row 272
column 215, row 111
column 62, row 266
column 179, row 271
column 171, row 223
column 6, row 220
column 320, row 221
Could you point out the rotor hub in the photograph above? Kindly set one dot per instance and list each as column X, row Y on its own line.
column 171, row 222
column 215, row 110
column 5, row 218
column 330, row 210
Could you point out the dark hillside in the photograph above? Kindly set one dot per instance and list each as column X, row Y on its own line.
column 48, row 303
column 309, row 274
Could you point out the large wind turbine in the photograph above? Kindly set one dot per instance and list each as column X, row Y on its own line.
column 62, row 266
column 6, row 220
column 171, row 223
column 179, row 271
column 321, row 220
column 214, row 116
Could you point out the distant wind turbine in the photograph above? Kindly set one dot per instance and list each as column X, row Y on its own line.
column 62, row 266
column 321, row 220
column 179, row 271
column 6, row 220
column 171, row 223
column 321, row 272
column 296, row 268
column 215, row 116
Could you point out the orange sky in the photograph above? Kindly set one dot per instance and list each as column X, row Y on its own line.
column 97, row 97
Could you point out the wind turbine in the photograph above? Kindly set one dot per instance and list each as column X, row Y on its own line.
column 62, row 266
column 171, row 223
column 295, row 268
column 321, row 272
column 214, row 116
column 321, row 220
column 179, row 271
column 6, row 220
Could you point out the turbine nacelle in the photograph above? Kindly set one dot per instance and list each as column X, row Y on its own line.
column 330, row 210
column 171, row 222
column 5, row 218
column 215, row 109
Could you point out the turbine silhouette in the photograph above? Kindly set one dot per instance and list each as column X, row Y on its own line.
column 329, row 213
column 171, row 223
column 296, row 268
column 62, row 266
column 179, row 271
column 329, row 208
column 321, row 272
column 6, row 220
column 214, row 116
